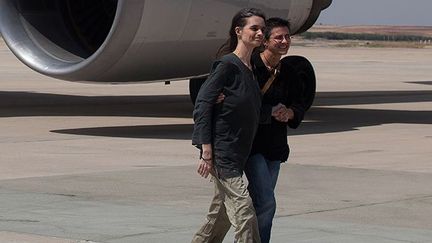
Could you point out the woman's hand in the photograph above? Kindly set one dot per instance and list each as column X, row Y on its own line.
column 205, row 164
column 281, row 113
column 220, row 98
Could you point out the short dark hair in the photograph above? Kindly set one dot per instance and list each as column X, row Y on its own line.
column 274, row 22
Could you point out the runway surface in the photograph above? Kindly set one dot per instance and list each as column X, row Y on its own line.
column 114, row 163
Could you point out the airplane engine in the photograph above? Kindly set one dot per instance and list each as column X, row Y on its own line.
column 131, row 40
column 136, row 40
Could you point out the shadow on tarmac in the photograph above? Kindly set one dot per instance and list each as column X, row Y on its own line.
column 18, row 104
column 323, row 119
column 174, row 131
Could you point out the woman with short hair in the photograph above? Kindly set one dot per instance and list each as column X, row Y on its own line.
column 282, row 106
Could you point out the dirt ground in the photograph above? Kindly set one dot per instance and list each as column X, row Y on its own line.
column 375, row 29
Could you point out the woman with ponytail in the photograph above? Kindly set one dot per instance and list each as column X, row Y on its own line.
column 224, row 132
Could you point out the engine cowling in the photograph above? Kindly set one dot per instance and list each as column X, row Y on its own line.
column 130, row 40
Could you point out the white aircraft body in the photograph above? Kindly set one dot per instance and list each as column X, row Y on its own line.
column 132, row 40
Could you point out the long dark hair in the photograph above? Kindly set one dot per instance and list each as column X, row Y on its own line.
column 239, row 20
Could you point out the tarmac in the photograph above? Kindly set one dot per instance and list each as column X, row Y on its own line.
column 111, row 163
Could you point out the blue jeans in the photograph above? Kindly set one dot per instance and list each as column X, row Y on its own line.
column 262, row 175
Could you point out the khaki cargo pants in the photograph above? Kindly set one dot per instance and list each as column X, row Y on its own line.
column 231, row 205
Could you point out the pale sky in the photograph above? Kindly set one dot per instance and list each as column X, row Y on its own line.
column 378, row 12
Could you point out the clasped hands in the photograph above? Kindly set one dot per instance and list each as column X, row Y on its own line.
column 281, row 113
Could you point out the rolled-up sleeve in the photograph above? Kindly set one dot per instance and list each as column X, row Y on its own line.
column 206, row 99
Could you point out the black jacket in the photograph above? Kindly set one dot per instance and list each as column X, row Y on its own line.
column 231, row 125
column 271, row 137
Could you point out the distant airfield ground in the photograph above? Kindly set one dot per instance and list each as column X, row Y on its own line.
column 367, row 36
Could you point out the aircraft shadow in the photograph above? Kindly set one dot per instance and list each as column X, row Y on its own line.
column 325, row 120
column 20, row 104
column 17, row 104
column 322, row 119
column 173, row 131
